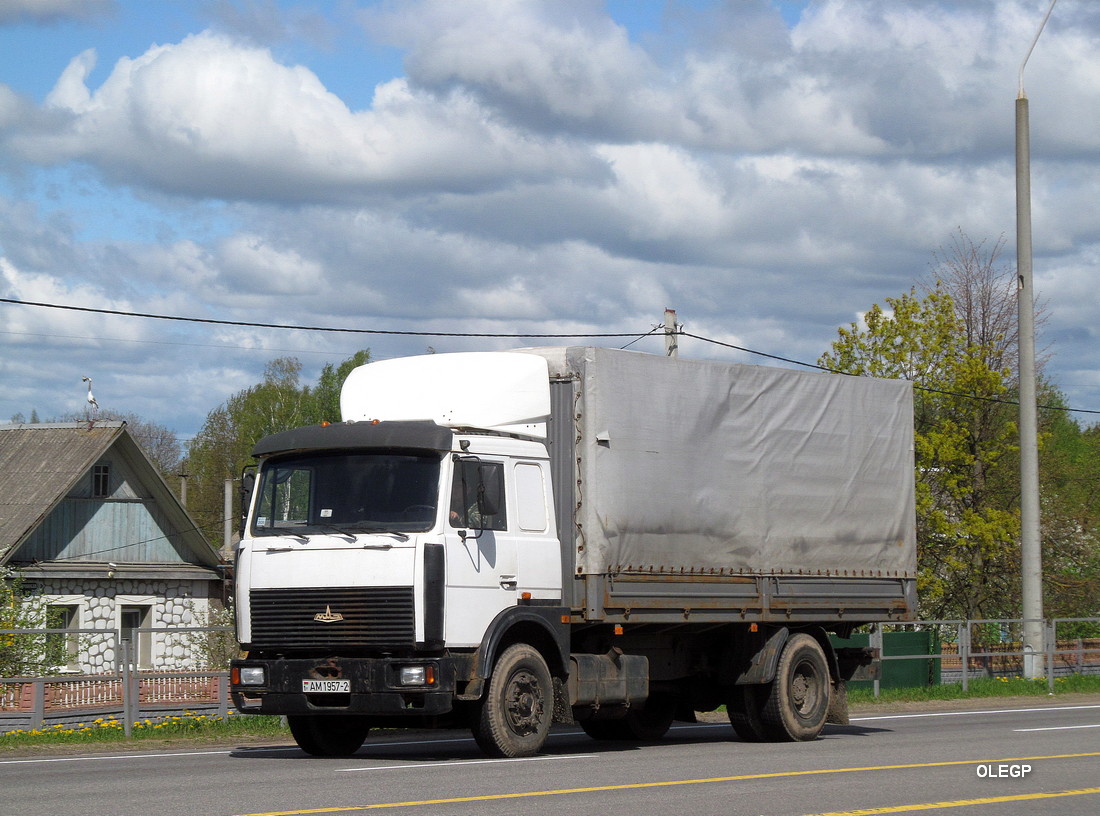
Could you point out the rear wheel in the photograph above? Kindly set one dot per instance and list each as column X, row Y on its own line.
column 518, row 706
column 329, row 735
column 798, row 703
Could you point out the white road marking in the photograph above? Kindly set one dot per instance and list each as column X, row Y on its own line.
column 966, row 713
column 468, row 762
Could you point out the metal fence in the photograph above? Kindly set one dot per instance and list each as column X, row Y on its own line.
column 149, row 674
column 962, row 650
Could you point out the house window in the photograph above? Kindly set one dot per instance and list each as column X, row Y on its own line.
column 101, row 481
column 62, row 648
column 137, row 644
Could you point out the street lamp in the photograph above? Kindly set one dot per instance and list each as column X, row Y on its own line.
column 1031, row 556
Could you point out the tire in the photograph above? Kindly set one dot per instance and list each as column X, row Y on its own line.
column 518, row 707
column 605, row 730
column 328, row 736
column 646, row 724
column 744, row 708
column 652, row 720
column 798, row 702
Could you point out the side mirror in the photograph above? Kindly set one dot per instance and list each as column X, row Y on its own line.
column 248, row 484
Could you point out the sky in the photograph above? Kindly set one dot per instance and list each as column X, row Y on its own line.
column 411, row 172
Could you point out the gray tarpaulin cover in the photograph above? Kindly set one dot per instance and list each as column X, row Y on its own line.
column 707, row 465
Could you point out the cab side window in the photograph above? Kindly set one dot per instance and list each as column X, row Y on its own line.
column 533, row 514
column 477, row 495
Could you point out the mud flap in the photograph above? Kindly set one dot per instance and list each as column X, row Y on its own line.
column 838, row 704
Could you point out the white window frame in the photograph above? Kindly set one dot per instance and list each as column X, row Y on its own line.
column 79, row 602
column 145, row 646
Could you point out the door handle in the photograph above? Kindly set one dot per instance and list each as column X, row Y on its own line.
column 508, row 582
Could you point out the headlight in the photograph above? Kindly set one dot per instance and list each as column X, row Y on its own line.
column 251, row 675
column 423, row 675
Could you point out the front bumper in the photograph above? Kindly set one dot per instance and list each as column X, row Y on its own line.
column 374, row 686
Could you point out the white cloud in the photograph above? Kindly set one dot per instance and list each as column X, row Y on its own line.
column 540, row 168
column 212, row 118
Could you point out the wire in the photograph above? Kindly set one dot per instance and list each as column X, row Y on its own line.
column 915, row 386
column 761, row 353
column 641, row 337
column 202, row 530
column 395, row 332
column 253, row 325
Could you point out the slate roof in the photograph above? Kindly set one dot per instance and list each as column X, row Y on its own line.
column 41, row 463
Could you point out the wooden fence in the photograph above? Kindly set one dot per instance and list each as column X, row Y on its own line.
column 32, row 702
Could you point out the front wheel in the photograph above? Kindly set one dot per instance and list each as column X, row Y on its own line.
column 517, row 709
column 329, row 736
column 798, row 702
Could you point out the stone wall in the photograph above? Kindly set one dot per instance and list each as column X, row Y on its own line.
column 162, row 604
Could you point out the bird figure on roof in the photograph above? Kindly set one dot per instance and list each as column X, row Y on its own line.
column 92, row 404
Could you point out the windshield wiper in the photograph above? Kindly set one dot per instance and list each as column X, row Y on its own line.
column 301, row 539
column 336, row 531
column 398, row 535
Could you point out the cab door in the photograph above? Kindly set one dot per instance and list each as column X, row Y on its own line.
column 480, row 549
column 538, row 553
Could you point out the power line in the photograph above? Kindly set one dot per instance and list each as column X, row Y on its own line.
column 915, row 386
column 253, row 325
column 395, row 332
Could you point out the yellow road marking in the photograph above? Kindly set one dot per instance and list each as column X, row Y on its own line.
column 1020, row 797
column 674, row 782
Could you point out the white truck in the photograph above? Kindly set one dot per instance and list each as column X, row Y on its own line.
column 504, row 540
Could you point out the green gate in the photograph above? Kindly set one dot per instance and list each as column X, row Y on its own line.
column 907, row 673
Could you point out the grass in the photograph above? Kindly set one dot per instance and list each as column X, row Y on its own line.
column 206, row 727
column 111, row 730
column 978, row 688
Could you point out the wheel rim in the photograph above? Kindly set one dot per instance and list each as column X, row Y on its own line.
column 804, row 688
column 524, row 703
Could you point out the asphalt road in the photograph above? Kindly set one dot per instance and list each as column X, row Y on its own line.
column 1026, row 758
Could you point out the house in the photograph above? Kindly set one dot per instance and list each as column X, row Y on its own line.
column 101, row 543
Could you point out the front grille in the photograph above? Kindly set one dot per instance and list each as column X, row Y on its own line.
column 370, row 617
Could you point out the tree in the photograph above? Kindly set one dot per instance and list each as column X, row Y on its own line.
column 26, row 654
column 967, row 531
column 223, row 447
column 158, row 442
column 331, row 380
column 985, row 293
column 1070, row 513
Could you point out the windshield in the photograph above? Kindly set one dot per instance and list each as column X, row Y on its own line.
column 347, row 493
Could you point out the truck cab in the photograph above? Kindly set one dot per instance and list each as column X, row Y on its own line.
column 379, row 556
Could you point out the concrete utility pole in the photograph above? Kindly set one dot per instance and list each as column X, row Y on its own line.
column 672, row 345
column 227, row 501
column 1031, row 555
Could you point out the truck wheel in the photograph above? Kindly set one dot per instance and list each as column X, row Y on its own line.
column 605, row 730
column 646, row 724
column 518, row 706
column 328, row 736
column 744, row 709
column 796, row 708
column 652, row 720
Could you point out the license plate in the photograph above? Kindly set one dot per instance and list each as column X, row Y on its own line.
column 326, row 686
